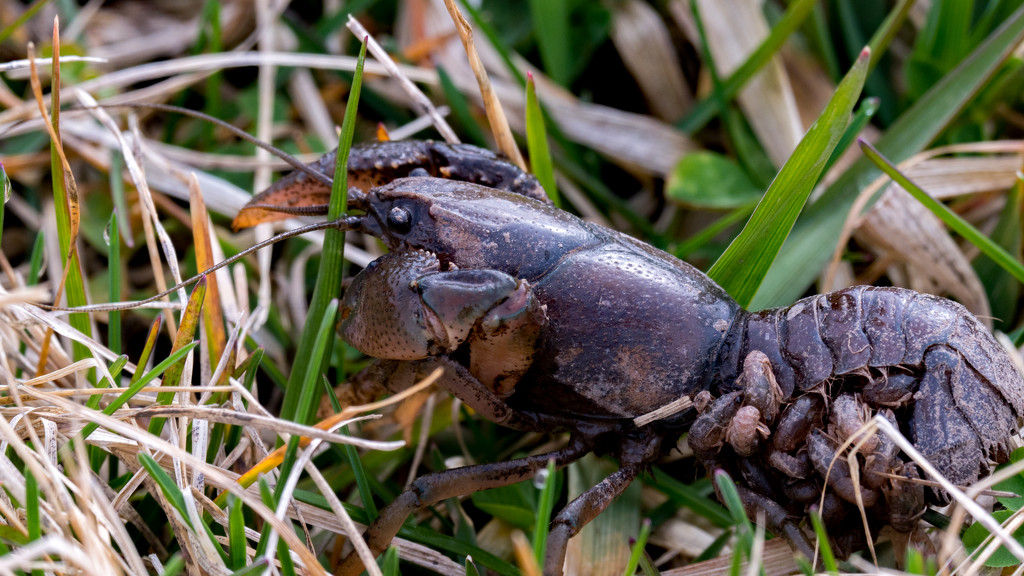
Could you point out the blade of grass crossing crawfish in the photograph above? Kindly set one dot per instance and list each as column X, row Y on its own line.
column 706, row 109
column 114, row 278
column 828, row 559
column 544, row 508
column 638, row 548
column 351, row 456
column 426, row 536
column 141, row 383
column 186, row 332
column 1002, row 288
column 987, row 246
column 328, row 283
column 537, row 143
column 743, row 266
column 814, row 236
column 602, row 546
column 733, row 503
column 309, row 396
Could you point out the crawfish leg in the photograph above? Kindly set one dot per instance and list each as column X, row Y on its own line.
column 777, row 520
column 433, row 488
column 636, row 454
column 397, row 375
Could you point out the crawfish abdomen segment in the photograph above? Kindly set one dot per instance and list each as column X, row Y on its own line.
column 942, row 360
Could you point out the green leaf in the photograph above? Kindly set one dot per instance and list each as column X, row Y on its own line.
column 389, row 562
column 1014, row 484
column 710, row 181
column 514, row 504
column 551, row 27
column 1002, row 288
column 544, row 508
column 827, row 557
column 816, row 233
column 638, row 548
column 745, row 263
column 236, row 533
column 976, row 534
column 1005, row 260
column 166, row 484
column 537, row 144
column 328, row 281
column 139, row 384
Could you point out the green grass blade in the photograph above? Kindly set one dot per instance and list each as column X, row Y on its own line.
column 638, row 548
column 1002, row 288
column 328, row 282
column 544, row 509
column 744, row 264
column 236, row 533
column 25, row 16
column 537, row 143
column 308, row 399
column 147, row 349
column 32, row 521
column 691, row 496
column 828, row 559
column 815, row 235
column 551, row 27
column 167, row 486
column 706, row 109
column 989, row 248
column 389, row 562
column 186, row 332
column 267, row 496
column 139, row 384
column 362, row 480
column 861, row 117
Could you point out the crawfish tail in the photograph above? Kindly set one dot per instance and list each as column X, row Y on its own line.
column 843, row 332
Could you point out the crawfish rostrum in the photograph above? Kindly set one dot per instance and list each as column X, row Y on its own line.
column 545, row 322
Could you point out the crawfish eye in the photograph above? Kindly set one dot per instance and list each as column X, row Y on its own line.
column 400, row 219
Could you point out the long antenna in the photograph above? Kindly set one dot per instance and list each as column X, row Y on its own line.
column 345, row 223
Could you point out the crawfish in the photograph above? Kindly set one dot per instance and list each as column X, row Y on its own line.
column 545, row 322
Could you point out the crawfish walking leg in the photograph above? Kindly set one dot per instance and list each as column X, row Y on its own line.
column 637, row 452
column 433, row 488
column 580, row 512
